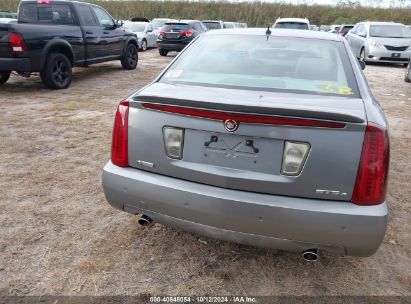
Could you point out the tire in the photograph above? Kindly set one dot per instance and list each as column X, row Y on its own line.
column 362, row 55
column 130, row 58
column 163, row 52
column 143, row 45
column 407, row 76
column 57, row 72
column 4, row 76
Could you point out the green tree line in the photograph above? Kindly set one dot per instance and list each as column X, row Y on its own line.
column 253, row 13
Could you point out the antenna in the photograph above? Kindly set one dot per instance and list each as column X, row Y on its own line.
column 268, row 32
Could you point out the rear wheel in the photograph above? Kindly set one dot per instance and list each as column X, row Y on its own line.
column 163, row 52
column 143, row 45
column 407, row 76
column 57, row 72
column 4, row 76
column 130, row 58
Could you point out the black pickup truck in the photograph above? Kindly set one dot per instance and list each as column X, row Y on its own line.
column 52, row 36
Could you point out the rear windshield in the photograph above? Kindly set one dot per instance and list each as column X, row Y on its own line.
column 292, row 25
column 390, row 31
column 42, row 13
column 346, row 29
column 212, row 25
column 295, row 65
column 176, row 27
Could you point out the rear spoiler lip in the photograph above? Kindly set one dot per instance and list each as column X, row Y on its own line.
column 243, row 109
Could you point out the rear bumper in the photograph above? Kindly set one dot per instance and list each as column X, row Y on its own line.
column 171, row 46
column 285, row 223
column 15, row 64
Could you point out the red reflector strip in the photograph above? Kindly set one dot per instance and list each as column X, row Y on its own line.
column 247, row 118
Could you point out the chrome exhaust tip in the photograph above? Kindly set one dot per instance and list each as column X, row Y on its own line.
column 310, row 255
column 145, row 221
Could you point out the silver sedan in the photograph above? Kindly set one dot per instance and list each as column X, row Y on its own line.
column 146, row 36
column 263, row 137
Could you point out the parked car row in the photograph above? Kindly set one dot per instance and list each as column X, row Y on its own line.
column 172, row 34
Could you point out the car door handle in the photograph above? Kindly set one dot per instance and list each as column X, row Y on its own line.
column 105, row 32
column 88, row 32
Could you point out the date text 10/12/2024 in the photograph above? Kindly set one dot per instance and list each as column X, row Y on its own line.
column 203, row 299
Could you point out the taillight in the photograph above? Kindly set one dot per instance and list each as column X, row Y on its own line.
column 186, row 33
column 372, row 177
column 17, row 43
column 43, row 1
column 119, row 147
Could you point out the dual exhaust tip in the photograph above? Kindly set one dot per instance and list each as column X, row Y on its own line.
column 310, row 255
column 145, row 221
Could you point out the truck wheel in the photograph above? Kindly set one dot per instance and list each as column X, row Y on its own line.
column 57, row 72
column 163, row 52
column 130, row 59
column 4, row 76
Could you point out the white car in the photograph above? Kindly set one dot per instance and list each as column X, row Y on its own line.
column 335, row 28
column 7, row 20
column 147, row 38
column 292, row 23
column 231, row 25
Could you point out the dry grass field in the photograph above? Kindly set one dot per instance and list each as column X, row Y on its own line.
column 59, row 236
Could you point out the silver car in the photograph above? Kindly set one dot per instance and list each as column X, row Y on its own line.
column 266, row 138
column 381, row 42
column 147, row 38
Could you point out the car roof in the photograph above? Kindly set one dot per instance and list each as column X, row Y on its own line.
column 215, row 21
column 277, row 33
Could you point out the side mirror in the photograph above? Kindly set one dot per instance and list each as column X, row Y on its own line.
column 362, row 64
column 118, row 23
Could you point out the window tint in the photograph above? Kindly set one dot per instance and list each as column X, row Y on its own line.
column 103, row 17
column 197, row 27
column 292, row 25
column 296, row 65
column 86, row 15
column 176, row 27
column 40, row 13
column 390, row 31
column 360, row 30
column 212, row 25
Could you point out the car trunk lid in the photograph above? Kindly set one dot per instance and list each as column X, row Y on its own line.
column 251, row 157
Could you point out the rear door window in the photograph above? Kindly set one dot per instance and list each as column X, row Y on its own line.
column 49, row 14
column 86, row 16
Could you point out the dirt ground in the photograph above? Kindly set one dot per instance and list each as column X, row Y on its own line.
column 59, row 236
